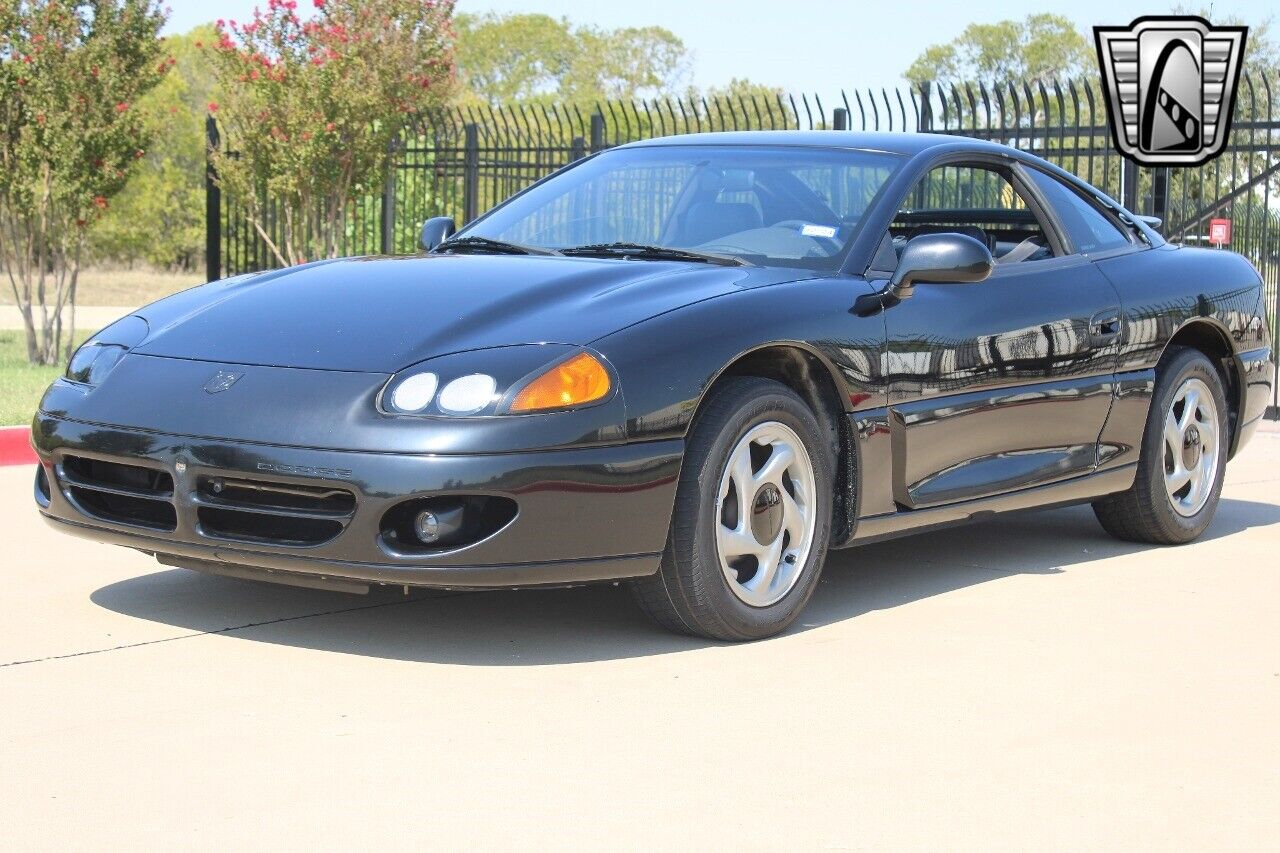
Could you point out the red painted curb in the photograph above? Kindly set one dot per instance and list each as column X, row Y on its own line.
column 15, row 446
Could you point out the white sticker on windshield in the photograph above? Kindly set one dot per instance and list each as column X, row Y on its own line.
column 818, row 231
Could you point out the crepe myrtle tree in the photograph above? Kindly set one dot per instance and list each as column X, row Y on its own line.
column 310, row 109
column 70, row 74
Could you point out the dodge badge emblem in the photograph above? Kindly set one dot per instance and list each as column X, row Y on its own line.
column 221, row 381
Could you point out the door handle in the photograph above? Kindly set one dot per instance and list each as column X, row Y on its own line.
column 1105, row 327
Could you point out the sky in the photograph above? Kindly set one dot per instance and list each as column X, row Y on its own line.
column 799, row 46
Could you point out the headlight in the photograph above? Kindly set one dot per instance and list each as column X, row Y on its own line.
column 95, row 358
column 414, row 394
column 468, row 395
column 513, row 380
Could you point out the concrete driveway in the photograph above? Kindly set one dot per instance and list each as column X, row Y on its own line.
column 1027, row 683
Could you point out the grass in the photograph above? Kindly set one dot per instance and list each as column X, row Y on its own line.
column 21, row 383
column 127, row 288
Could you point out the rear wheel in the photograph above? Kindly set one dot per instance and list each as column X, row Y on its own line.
column 1183, row 458
column 752, row 517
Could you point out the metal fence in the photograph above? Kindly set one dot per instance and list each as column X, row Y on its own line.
column 461, row 162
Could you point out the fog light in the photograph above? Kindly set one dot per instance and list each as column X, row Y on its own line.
column 438, row 524
column 443, row 522
column 427, row 526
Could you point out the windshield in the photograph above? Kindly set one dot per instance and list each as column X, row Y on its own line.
column 765, row 205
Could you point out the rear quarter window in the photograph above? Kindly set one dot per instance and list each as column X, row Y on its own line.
column 1089, row 229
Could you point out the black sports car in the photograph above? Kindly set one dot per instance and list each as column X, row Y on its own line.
column 693, row 364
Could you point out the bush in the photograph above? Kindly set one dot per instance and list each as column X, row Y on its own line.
column 310, row 110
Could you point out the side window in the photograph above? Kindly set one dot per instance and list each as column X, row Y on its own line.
column 1089, row 229
column 977, row 201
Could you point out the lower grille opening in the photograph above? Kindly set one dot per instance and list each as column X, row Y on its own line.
column 250, row 526
column 120, row 493
column 95, row 472
column 124, row 509
column 42, row 486
column 270, row 512
column 251, row 494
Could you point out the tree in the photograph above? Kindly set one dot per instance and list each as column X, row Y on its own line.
column 739, row 87
column 511, row 57
column 523, row 57
column 310, row 110
column 626, row 63
column 1042, row 46
column 71, row 72
column 159, row 215
column 1261, row 50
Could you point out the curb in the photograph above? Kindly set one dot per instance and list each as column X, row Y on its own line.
column 15, row 446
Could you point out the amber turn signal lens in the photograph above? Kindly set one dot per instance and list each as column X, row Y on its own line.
column 579, row 380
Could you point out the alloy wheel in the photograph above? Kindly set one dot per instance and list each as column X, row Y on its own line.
column 767, row 514
column 1191, row 447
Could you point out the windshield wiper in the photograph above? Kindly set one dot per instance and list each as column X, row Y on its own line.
column 488, row 245
column 642, row 252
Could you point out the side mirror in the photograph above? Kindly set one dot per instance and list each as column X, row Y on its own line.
column 940, row 259
column 436, row 230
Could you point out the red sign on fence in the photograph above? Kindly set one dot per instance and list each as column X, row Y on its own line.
column 1220, row 231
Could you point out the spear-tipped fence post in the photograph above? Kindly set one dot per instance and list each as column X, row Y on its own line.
column 926, row 108
column 389, row 199
column 1160, row 195
column 1129, row 184
column 471, row 171
column 212, row 206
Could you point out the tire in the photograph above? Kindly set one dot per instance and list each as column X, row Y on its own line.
column 1152, row 511
column 769, row 426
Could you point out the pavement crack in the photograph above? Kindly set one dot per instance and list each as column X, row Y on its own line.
column 232, row 628
column 1253, row 482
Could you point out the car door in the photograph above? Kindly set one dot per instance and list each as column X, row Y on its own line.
column 1003, row 384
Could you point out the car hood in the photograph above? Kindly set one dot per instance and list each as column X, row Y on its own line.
column 382, row 314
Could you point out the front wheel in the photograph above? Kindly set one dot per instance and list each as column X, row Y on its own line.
column 752, row 517
column 1183, row 457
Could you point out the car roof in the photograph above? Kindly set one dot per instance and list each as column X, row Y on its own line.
column 908, row 144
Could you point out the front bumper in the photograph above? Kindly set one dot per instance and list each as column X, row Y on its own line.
column 584, row 514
